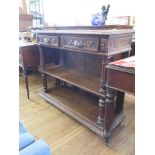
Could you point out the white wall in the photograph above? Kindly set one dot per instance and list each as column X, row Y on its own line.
column 79, row 12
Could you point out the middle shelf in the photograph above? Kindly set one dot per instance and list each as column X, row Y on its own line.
column 87, row 82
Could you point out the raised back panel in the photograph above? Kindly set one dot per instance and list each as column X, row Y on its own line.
column 83, row 62
column 51, row 55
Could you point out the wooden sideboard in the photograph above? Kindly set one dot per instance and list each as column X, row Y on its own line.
column 79, row 59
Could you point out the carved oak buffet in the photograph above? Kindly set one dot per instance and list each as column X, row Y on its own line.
column 79, row 70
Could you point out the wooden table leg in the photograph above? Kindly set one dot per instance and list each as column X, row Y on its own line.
column 44, row 77
column 108, row 114
column 26, row 82
column 119, row 101
column 100, row 118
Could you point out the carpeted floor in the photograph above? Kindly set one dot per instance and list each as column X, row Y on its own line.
column 66, row 136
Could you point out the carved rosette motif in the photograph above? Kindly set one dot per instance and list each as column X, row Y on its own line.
column 80, row 43
column 48, row 40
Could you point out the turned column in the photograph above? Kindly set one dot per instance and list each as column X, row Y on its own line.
column 100, row 115
column 108, row 113
column 102, row 91
column 42, row 67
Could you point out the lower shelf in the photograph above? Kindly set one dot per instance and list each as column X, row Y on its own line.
column 80, row 105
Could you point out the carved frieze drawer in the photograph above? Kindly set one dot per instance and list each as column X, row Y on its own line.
column 80, row 43
column 48, row 40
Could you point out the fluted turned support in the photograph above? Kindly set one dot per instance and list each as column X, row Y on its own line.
column 100, row 118
column 108, row 114
column 44, row 78
column 102, row 91
column 42, row 67
column 42, row 61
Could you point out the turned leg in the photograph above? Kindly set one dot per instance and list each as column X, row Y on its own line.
column 42, row 67
column 119, row 101
column 44, row 78
column 26, row 82
column 100, row 118
column 102, row 91
column 108, row 114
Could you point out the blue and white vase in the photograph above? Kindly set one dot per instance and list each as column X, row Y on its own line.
column 97, row 19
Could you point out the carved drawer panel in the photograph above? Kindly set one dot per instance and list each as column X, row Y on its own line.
column 48, row 40
column 80, row 43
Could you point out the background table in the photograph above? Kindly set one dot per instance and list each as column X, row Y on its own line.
column 120, row 76
column 28, row 57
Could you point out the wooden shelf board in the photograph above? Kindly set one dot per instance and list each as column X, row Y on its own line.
column 80, row 105
column 90, row 83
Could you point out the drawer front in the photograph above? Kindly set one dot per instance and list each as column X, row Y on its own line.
column 80, row 43
column 48, row 40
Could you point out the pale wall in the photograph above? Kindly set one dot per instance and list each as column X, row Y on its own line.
column 79, row 12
